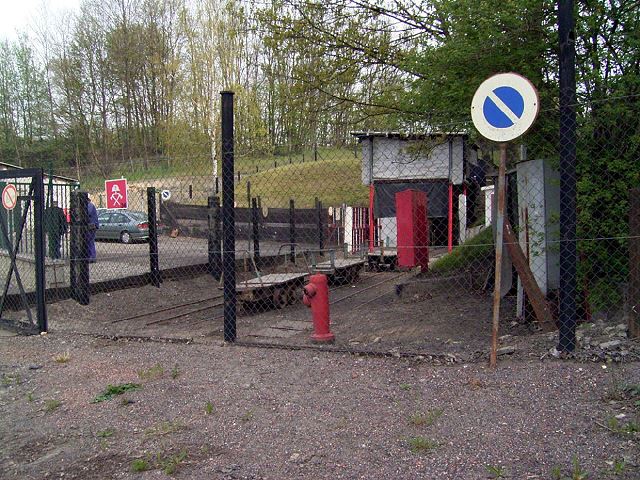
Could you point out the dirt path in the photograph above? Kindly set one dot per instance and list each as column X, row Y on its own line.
column 233, row 412
column 205, row 410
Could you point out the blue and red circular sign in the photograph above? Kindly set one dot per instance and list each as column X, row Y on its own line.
column 504, row 107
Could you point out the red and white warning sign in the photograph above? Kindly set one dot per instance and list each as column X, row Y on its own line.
column 9, row 197
column 116, row 193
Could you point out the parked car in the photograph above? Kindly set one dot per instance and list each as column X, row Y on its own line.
column 126, row 226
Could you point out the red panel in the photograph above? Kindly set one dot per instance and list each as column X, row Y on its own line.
column 413, row 229
column 116, row 193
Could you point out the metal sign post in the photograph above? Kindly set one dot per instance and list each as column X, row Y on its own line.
column 502, row 109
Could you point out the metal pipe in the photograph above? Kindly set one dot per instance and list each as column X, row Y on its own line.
column 228, row 218
column 154, row 261
column 568, row 248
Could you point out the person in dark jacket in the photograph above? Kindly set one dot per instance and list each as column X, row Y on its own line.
column 94, row 224
column 56, row 226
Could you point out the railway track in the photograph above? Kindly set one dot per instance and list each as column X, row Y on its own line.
column 217, row 302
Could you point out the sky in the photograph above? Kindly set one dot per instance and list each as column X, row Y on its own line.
column 18, row 14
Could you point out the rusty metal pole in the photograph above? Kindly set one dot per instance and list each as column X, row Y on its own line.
column 499, row 240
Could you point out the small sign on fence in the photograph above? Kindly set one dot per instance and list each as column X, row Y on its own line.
column 9, row 197
column 116, row 193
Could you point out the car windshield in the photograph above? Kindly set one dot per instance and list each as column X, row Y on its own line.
column 138, row 215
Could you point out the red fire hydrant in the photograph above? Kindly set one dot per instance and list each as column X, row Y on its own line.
column 316, row 296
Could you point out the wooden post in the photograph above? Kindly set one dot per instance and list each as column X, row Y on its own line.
column 498, row 271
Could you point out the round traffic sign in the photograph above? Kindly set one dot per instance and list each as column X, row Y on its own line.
column 504, row 107
column 9, row 197
column 165, row 194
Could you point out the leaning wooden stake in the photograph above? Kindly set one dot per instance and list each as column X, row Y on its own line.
column 536, row 297
column 498, row 270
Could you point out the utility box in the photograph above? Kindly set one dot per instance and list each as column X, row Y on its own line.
column 413, row 229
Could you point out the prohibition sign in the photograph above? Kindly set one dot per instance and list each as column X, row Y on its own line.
column 9, row 197
column 504, row 107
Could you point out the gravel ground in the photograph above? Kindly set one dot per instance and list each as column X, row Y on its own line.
column 213, row 411
column 226, row 412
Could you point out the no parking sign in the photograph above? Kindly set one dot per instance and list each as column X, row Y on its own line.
column 504, row 107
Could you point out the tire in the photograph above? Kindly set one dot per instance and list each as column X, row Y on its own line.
column 280, row 298
column 125, row 237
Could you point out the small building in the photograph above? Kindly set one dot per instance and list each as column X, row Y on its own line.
column 56, row 188
column 440, row 164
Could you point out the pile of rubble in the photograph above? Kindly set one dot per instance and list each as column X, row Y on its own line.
column 598, row 341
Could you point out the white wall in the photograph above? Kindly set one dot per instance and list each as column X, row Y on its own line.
column 398, row 159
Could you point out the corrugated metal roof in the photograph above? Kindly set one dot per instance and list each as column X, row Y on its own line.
column 11, row 166
column 404, row 136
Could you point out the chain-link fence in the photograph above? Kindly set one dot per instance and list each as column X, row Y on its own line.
column 402, row 225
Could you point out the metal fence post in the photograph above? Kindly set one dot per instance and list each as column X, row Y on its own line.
column 568, row 248
column 255, row 220
column 213, row 237
column 320, row 227
column 79, row 269
column 154, row 261
column 228, row 218
column 38, row 218
column 292, row 229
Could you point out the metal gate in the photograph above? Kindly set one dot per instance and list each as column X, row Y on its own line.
column 22, row 269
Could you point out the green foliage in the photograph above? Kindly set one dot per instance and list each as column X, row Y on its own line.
column 114, row 390
column 152, row 373
column 422, row 445
column 496, row 471
column 51, row 405
column 106, row 433
column 464, row 255
column 426, row 419
column 578, row 473
column 306, row 181
column 208, row 408
column 170, row 464
column 247, row 416
column 175, row 372
column 140, row 465
column 164, row 428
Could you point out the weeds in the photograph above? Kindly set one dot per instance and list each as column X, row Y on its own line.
column 114, row 390
column 140, row 465
column 614, row 425
column 247, row 417
column 164, row 428
column 618, row 466
column 556, row 472
column 496, row 471
column 169, row 465
column 63, row 357
column 208, row 408
column 577, row 472
column 51, row 405
column 152, row 373
column 9, row 379
column 422, row 444
column 425, row 419
column 30, row 397
column 106, row 433
column 175, row 372
column 405, row 386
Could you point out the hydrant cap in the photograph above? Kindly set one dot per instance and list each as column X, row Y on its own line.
column 309, row 290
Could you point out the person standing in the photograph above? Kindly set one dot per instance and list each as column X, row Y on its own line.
column 56, row 226
column 94, row 224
